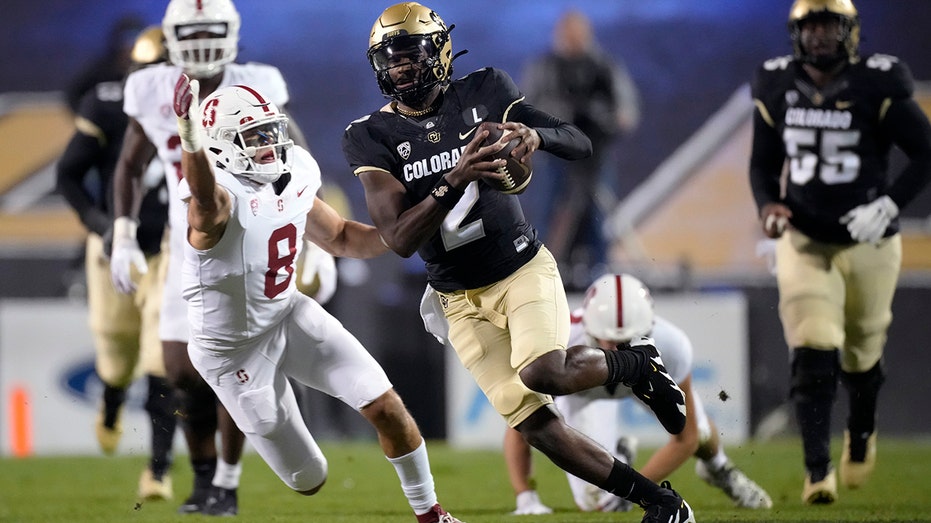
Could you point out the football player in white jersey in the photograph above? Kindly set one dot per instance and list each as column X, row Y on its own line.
column 202, row 40
column 618, row 308
column 251, row 197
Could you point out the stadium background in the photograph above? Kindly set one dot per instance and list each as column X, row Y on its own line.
column 690, row 60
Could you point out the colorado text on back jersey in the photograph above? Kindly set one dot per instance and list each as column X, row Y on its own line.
column 832, row 137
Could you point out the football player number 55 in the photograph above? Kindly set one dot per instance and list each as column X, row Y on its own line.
column 835, row 164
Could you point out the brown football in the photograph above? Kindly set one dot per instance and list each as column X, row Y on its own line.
column 516, row 174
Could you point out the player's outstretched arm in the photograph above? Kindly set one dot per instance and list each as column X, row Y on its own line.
column 339, row 236
column 210, row 205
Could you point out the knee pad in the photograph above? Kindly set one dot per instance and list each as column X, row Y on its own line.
column 814, row 374
column 868, row 382
column 311, row 477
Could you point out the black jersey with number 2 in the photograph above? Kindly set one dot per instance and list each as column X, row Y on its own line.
column 485, row 237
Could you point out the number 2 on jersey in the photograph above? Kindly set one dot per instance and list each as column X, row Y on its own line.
column 453, row 231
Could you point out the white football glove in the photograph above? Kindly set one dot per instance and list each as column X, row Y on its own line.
column 126, row 255
column 766, row 249
column 318, row 272
column 868, row 222
column 187, row 93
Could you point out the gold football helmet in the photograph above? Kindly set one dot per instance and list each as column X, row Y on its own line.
column 844, row 11
column 149, row 47
column 417, row 33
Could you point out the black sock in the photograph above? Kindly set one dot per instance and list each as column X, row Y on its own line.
column 204, row 469
column 863, row 393
column 161, row 406
column 814, row 384
column 624, row 366
column 113, row 399
column 629, row 484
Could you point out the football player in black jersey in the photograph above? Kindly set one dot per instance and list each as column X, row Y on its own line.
column 422, row 164
column 125, row 327
column 824, row 123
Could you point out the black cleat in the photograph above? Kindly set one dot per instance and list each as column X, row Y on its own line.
column 196, row 502
column 671, row 509
column 222, row 502
column 656, row 387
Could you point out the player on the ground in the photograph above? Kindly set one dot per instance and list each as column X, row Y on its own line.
column 616, row 309
column 422, row 164
column 823, row 128
column 251, row 198
column 202, row 40
column 125, row 328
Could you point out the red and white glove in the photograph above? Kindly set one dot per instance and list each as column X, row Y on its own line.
column 187, row 94
column 126, row 255
column 868, row 222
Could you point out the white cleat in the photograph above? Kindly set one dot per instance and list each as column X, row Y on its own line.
column 743, row 490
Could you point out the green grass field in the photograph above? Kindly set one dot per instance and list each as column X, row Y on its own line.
column 362, row 487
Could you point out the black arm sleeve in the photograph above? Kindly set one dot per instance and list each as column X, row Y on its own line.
column 557, row 137
column 766, row 160
column 79, row 157
column 909, row 129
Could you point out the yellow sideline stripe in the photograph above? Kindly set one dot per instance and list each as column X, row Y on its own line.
column 34, row 136
column 41, row 227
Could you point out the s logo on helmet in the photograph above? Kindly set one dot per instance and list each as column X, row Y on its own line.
column 210, row 113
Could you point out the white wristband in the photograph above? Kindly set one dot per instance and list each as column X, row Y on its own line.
column 124, row 228
column 190, row 138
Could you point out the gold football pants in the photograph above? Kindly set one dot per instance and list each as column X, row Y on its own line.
column 837, row 296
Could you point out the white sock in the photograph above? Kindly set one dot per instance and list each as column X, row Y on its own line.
column 416, row 479
column 718, row 460
column 227, row 476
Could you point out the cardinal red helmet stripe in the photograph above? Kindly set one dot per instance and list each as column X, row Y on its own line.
column 257, row 96
column 620, row 301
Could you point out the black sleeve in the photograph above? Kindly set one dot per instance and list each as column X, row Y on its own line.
column 766, row 159
column 908, row 127
column 557, row 137
column 79, row 157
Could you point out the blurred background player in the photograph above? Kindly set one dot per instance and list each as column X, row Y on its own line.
column 202, row 39
column 578, row 82
column 489, row 276
column 109, row 66
column 617, row 309
column 831, row 116
column 125, row 328
column 250, row 194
